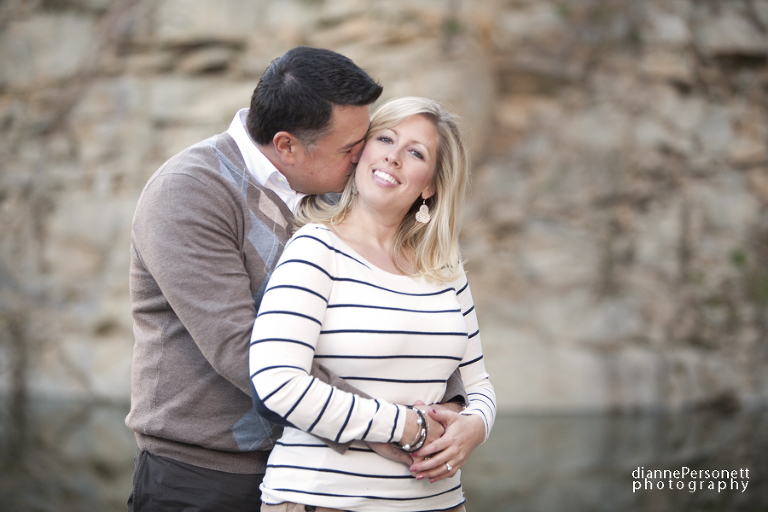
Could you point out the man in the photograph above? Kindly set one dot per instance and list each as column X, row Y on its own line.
column 208, row 230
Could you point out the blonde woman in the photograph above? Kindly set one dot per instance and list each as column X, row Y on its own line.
column 373, row 288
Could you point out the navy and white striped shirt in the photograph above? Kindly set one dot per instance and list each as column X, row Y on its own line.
column 394, row 337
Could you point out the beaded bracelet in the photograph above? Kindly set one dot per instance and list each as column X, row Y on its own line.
column 421, row 436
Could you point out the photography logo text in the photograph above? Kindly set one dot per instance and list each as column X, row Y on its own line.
column 690, row 480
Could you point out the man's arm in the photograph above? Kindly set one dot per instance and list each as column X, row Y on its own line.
column 387, row 450
column 185, row 234
column 455, row 393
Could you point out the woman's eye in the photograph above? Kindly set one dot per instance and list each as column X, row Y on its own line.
column 417, row 154
column 384, row 138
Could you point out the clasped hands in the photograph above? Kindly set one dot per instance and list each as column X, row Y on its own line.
column 451, row 438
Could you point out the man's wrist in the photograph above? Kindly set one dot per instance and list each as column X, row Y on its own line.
column 453, row 406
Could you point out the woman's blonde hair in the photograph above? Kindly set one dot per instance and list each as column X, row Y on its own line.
column 431, row 248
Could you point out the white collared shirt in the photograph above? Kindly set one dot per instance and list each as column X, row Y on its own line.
column 264, row 171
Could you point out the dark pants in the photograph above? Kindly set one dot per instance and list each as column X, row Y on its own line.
column 162, row 484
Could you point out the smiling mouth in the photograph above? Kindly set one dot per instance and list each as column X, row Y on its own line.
column 386, row 177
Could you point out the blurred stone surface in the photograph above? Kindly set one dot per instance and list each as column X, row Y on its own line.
column 616, row 225
column 43, row 49
column 196, row 22
column 666, row 27
column 669, row 65
column 725, row 30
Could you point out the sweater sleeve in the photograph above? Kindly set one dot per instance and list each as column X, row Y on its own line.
column 285, row 335
column 482, row 397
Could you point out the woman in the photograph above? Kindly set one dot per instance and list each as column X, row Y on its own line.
column 374, row 289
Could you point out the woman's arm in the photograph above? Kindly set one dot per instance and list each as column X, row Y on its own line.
column 482, row 397
column 466, row 430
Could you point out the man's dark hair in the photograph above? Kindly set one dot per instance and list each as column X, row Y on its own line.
column 297, row 92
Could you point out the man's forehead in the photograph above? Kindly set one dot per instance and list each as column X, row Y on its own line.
column 350, row 124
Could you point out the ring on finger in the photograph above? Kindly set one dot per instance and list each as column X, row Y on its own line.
column 449, row 467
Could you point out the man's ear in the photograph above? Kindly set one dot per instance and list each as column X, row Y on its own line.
column 286, row 146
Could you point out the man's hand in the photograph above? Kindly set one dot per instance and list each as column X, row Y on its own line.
column 445, row 456
column 391, row 452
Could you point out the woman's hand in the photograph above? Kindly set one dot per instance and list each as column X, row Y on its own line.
column 445, row 456
column 435, row 428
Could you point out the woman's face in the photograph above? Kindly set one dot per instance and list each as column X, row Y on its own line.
column 397, row 166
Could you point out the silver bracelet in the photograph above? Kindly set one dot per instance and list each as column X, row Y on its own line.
column 421, row 436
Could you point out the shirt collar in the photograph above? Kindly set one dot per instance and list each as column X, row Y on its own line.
column 264, row 171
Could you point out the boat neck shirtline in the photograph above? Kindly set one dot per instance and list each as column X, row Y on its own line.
column 264, row 171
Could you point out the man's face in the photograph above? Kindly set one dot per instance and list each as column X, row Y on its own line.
column 333, row 158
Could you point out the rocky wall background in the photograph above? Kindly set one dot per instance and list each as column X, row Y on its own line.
column 617, row 232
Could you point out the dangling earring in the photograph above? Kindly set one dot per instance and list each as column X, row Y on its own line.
column 423, row 214
column 354, row 186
